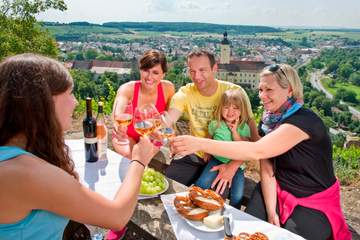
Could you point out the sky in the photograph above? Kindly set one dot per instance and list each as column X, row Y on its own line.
column 278, row 13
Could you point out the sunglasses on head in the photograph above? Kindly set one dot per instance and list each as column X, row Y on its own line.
column 275, row 67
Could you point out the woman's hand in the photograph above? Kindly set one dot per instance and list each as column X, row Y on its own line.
column 274, row 219
column 185, row 144
column 119, row 130
column 143, row 151
column 224, row 177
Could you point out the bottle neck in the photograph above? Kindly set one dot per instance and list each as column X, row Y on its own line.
column 100, row 110
column 88, row 108
column 89, row 113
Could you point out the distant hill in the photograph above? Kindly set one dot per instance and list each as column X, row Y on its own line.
column 81, row 30
column 190, row 27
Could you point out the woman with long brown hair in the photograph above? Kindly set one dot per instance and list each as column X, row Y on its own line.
column 150, row 89
column 39, row 186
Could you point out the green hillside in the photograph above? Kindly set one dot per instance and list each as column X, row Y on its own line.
column 190, row 27
column 80, row 31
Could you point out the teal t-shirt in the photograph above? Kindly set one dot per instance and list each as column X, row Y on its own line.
column 223, row 133
column 38, row 224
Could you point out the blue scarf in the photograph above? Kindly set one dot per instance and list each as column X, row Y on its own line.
column 272, row 120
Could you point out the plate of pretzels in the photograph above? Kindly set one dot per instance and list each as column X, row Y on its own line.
column 201, row 209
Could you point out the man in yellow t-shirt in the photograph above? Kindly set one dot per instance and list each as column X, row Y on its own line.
column 197, row 102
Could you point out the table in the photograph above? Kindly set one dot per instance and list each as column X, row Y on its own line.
column 105, row 177
column 156, row 217
column 240, row 221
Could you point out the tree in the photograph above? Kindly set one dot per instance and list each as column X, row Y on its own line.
column 331, row 67
column 338, row 139
column 79, row 56
column 316, row 63
column 291, row 61
column 19, row 30
column 176, row 74
column 346, row 95
column 91, row 54
column 321, row 102
column 303, row 74
column 304, row 42
column 355, row 78
column 345, row 71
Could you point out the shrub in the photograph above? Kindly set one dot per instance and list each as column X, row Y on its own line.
column 347, row 164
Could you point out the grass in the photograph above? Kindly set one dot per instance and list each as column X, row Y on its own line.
column 347, row 164
column 297, row 35
column 325, row 82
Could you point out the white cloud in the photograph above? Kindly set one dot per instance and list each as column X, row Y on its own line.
column 249, row 12
column 189, row 5
column 162, row 5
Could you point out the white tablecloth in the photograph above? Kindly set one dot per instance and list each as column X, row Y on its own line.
column 103, row 176
column 241, row 222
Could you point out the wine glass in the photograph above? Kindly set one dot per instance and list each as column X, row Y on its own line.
column 166, row 132
column 156, row 117
column 144, row 121
column 123, row 114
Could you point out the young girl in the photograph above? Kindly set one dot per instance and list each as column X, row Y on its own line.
column 229, row 125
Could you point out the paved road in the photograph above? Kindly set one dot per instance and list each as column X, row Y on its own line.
column 316, row 83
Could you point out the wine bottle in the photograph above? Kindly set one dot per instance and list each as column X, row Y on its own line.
column 102, row 132
column 89, row 128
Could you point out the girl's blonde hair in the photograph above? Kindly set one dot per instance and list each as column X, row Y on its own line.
column 240, row 99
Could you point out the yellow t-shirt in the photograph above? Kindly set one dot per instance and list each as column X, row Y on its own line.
column 199, row 109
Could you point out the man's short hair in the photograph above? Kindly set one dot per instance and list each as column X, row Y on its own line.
column 202, row 52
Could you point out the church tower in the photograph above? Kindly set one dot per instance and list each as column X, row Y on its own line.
column 225, row 50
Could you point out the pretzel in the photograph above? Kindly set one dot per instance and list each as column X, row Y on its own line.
column 258, row 236
column 247, row 236
column 243, row 236
column 206, row 199
column 188, row 210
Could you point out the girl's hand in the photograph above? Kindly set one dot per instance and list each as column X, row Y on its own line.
column 143, row 151
column 185, row 144
column 224, row 177
column 233, row 125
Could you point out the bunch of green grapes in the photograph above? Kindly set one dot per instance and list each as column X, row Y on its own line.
column 152, row 182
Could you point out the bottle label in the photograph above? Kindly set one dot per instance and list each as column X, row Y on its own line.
column 90, row 140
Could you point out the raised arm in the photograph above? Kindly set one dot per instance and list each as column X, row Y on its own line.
column 174, row 115
column 273, row 144
column 49, row 188
column 123, row 94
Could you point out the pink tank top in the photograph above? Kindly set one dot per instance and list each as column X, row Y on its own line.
column 160, row 106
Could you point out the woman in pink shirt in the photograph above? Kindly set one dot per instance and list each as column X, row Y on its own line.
column 151, row 88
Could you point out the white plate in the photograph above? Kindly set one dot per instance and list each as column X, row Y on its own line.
column 157, row 194
column 199, row 225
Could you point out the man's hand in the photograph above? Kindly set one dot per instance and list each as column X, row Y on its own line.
column 206, row 157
